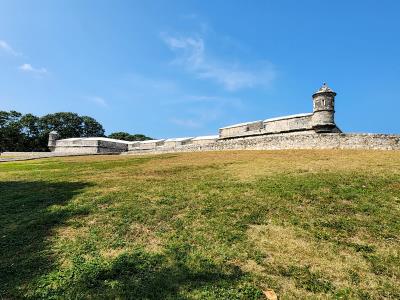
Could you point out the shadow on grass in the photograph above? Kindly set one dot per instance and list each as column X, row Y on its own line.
column 26, row 222
column 29, row 213
column 142, row 275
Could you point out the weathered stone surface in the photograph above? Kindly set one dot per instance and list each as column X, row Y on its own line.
column 293, row 141
column 91, row 145
column 204, row 140
column 133, row 145
column 240, row 129
column 151, row 144
column 53, row 137
column 21, row 156
column 176, row 142
column 298, row 122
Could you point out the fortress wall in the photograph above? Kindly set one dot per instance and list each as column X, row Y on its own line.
column 293, row 141
column 151, row 144
column 171, row 144
column 85, row 146
column 295, row 123
column 241, row 128
column 176, row 143
column 298, row 123
column 76, row 149
column 111, row 146
column 202, row 142
column 76, row 142
column 133, row 145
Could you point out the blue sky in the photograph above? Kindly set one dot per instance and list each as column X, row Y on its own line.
column 186, row 68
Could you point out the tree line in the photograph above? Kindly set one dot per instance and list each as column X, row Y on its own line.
column 27, row 132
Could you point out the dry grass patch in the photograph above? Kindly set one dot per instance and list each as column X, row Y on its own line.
column 253, row 164
column 287, row 248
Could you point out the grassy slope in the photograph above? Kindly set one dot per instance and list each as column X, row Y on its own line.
column 227, row 225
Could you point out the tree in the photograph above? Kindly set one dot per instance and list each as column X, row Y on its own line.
column 67, row 124
column 128, row 137
column 91, row 127
column 30, row 133
column 120, row 136
column 11, row 138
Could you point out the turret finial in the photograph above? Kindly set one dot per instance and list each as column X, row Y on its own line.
column 324, row 89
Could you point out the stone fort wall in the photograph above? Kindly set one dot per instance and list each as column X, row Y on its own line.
column 301, row 122
column 290, row 141
column 89, row 146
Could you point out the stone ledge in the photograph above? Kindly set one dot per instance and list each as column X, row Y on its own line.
column 20, row 156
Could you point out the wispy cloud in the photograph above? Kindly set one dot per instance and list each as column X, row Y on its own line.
column 99, row 101
column 199, row 110
column 190, row 49
column 4, row 46
column 166, row 100
column 28, row 68
column 190, row 53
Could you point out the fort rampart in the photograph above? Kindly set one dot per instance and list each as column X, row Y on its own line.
column 290, row 141
column 90, row 146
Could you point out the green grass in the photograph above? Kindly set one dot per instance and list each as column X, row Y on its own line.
column 217, row 225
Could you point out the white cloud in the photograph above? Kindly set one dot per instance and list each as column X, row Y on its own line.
column 191, row 50
column 98, row 101
column 8, row 49
column 191, row 54
column 28, row 68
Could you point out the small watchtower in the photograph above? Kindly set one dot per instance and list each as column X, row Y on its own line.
column 53, row 137
column 324, row 110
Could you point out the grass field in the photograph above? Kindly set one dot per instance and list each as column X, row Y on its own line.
column 217, row 225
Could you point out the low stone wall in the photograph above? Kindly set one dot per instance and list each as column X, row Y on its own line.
column 21, row 156
column 25, row 154
column 77, row 149
column 86, row 146
column 149, row 145
column 292, row 141
column 204, row 140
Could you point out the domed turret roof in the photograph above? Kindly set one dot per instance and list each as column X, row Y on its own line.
column 324, row 89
